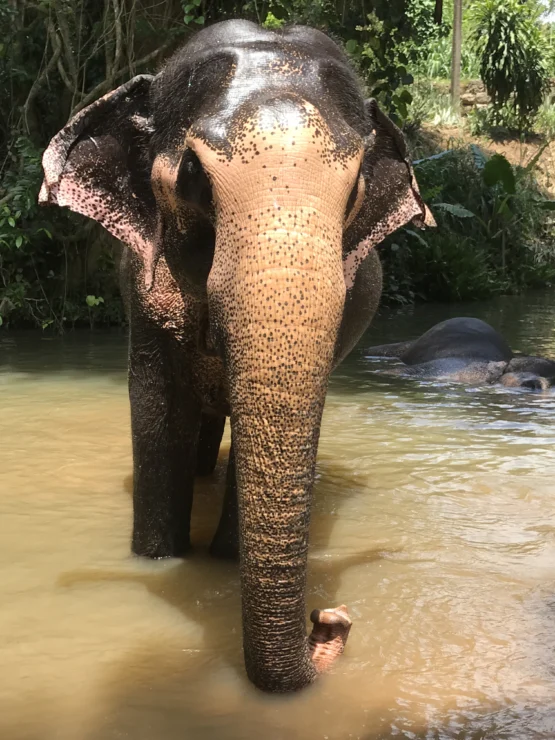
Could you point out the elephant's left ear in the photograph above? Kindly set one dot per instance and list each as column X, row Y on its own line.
column 99, row 166
column 392, row 198
column 387, row 153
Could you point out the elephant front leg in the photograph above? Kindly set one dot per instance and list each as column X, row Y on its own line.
column 165, row 423
column 226, row 540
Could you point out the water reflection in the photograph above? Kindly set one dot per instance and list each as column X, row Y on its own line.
column 434, row 520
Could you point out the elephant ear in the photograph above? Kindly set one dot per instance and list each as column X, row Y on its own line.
column 99, row 166
column 392, row 198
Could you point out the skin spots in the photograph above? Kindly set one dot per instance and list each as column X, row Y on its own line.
column 249, row 181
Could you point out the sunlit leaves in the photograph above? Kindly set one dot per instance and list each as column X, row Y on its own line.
column 512, row 52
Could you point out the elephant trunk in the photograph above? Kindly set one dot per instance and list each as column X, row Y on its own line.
column 279, row 367
column 276, row 296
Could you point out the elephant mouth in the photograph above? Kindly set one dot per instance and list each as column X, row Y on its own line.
column 329, row 636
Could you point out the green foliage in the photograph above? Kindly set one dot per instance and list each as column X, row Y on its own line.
column 192, row 12
column 430, row 104
column 56, row 56
column 545, row 120
column 272, row 22
column 498, row 170
column 501, row 241
column 509, row 40
column 548, row 33
column 434, row 61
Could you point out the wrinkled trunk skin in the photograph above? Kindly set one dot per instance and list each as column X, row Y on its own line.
column 276, row 293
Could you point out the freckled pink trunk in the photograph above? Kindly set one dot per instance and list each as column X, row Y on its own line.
column 279, row 367
column 281, row 326
column 276, row 292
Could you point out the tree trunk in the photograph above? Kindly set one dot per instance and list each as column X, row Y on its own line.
column 456, row 57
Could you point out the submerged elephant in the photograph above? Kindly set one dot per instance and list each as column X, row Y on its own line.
column 467, row 350
column 249, row 181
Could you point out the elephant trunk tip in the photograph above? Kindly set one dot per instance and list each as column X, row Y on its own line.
column 329, row 636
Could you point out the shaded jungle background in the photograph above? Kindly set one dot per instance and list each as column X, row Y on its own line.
column 490, row 189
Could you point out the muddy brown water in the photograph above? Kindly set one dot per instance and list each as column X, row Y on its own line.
column 433, row 520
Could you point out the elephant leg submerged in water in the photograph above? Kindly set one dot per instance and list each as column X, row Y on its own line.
column 250, row 181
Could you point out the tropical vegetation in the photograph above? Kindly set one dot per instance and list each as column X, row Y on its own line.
column 495, row 231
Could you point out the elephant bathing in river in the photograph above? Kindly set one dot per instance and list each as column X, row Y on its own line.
column 249, row 181
column 467, row 350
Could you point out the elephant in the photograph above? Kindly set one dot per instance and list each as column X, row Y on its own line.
column 249, row 181
column 467, row 350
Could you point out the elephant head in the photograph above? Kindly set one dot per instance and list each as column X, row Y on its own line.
column 253, row 165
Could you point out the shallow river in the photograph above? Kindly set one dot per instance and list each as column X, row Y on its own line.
column 434, row 521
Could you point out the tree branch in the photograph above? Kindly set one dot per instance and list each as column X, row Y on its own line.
column 108, row 44
column 66, row 37
column 119, row 35
column 103, row 87
column 38, row 83
column 65, row 78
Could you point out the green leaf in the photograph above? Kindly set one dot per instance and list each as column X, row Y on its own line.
column 1, row 320
column 405, row 96
column 417, row 236
column 351, row 46
column 11, row 222
column 402, row 109
column 479, row 157
column 187, row 19
column 19, row 241
column 498, row 169
column 504, row 209
column 188, row 8
column 200, row 20
column 455, row 210
column 91, row 301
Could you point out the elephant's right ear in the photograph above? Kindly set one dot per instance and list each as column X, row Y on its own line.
column 99, row 166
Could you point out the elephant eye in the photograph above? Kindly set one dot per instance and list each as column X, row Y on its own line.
column 355, row 199
column 192, row 183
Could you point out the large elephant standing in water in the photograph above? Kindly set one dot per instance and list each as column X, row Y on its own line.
column 467, row 350
column 249, row 181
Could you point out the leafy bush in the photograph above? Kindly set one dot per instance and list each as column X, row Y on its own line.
column 56, row 56
column 548, row 31
column 501, row 241
column 434, row 61
column 509, row 40
column 430, row 104
column 48, row 256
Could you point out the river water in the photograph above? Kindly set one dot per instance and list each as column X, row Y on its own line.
column 434, row 521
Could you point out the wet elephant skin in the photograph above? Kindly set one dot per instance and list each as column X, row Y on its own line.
column 249, row 182
column 467, row 350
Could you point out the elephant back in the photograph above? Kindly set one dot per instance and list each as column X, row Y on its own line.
column 462, row 337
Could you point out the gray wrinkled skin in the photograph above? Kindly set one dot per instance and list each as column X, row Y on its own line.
column 467, row 350
column 249, row 182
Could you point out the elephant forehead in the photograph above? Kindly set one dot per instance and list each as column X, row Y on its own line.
column 249, row 133
column 285, row 159
column 284, row 145
column 220, row 80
